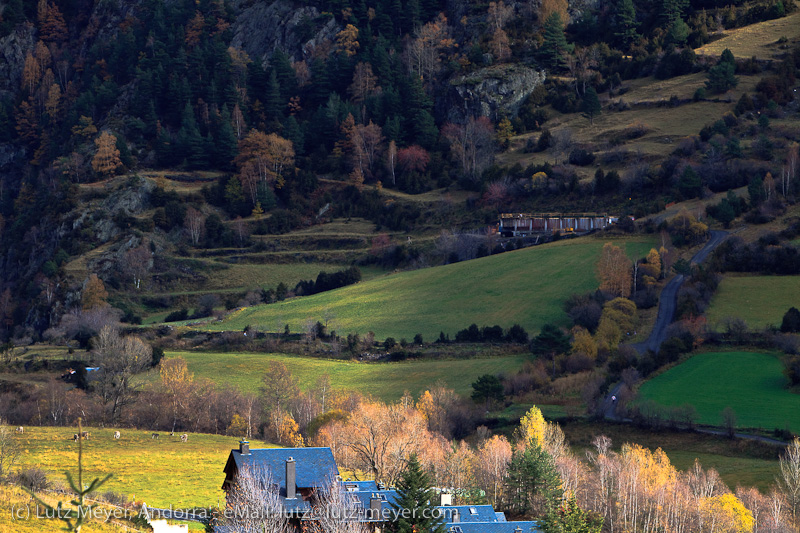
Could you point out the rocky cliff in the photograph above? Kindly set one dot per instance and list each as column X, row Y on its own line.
column 297, row 29
column 492, row 92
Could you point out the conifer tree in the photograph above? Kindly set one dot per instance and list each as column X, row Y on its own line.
column 414, row 508
column 555, row 46
column 626, row 22
column 590, row 107
column 533, row 483
column 721, row 76
column 106, row 160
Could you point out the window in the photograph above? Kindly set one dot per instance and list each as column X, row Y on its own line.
column 473, row 511
column 351, row 487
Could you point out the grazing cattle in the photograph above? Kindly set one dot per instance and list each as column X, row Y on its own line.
column 20, row 429
column 184, row 437
column 75, row 437
column 155, row 436
column 116, row 435
column 85, row 435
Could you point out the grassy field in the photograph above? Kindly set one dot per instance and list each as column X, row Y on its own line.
column 665, row 125
column 525, row 286
column 159, row 472
column 14, row 504
column 750, row 383
column 386, row 381
column 759, row 300
column 757, row 40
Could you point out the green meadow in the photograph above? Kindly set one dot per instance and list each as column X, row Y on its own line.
column 159, row 472
column 750, row 383
column 526, row 286
column 385, row 381
column 758, row 300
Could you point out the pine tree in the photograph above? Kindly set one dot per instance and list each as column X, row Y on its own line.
column 721, row 76
column 555, row 45
column 626, row 22
column 533, row 483
column 225, row 147
column 414, row 507
column 590, row 107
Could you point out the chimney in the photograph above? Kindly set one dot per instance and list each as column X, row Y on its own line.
column 291, row 479
column 244, row 447
column 375, row 507
column 447, row 499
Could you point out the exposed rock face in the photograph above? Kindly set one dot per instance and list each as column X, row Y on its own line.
column 297, row 29
column 492, row 92
column 13, row 49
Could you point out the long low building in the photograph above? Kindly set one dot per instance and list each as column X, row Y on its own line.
column 522, row 224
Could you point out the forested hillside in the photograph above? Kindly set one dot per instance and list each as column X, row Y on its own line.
column 299, row 113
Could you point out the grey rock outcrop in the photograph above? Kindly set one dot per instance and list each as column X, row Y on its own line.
column 13, row 49
column 297, row 29
column 491, row 92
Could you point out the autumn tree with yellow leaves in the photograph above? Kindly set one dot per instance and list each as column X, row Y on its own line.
column 614, row 271
column 106, row 160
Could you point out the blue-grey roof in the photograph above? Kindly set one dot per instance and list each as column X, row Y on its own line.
column 314, row 467
column 469, row 513
column 364, row 498
column 501, row 516
column 493, row 527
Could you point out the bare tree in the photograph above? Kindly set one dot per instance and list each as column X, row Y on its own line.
column 335, row 512
column 254, row 505
column 789, row 481
column 195, row 223
column 137, row 262
column 10, row 449
column 119, row 358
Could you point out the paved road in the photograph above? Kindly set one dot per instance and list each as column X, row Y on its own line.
column 667, row 304
column 668, row 301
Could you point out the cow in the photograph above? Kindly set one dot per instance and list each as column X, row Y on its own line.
column 20, row 429
column 154, row 436
column 75, row 437
column 85, row 435
column 184, row 437
column 116, row 435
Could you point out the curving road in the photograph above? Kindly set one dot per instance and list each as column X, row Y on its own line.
column 667, row 304
column 668, row 301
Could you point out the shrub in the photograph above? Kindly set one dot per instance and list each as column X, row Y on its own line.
column 581, row 157
column 176, row 316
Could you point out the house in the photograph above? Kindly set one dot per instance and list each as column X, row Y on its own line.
column 299, row 472
column 296, row 471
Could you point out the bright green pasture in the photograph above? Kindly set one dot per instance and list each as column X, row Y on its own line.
column 526, row 286
column 159, row 472
column 750, row 383
column 386, row 381
column 759, row 300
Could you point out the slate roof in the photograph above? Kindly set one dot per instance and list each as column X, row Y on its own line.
column 469, row 513
column 315, row 467
column 493, row 527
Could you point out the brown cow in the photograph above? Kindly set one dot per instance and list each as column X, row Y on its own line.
column 85, row 435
